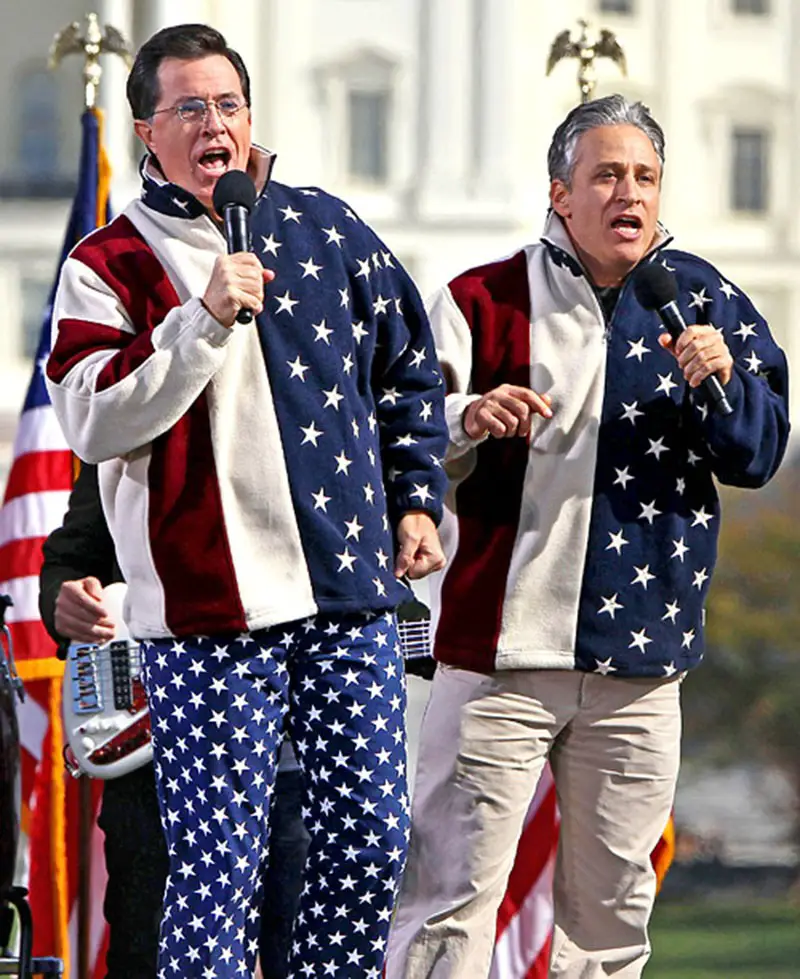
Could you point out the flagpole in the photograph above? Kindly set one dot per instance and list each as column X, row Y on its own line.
column 91, row 44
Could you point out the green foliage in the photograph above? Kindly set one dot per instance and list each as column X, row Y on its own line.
column 724, row 941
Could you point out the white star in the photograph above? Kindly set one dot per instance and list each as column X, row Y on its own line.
column 753, row 362
column 359, row 332
column 673, row 609
column 623, row 477
column 657, row 447
column 680, row 549
column 604, row 667
column 422, row 493
column 638, row 349
column 617, row 542
column 426, row 410
column 639, row 640
column 383, row 560
column 344, row 298
column 680, row 485
column 285, row 303
column 643, row 576
column 271, row 246
column 417, row 358
column 649, row 512
column 631, row 412
column 322, row 332
column 321, row 501
column 387, row 260
column 309, row 268
column 389, row 395
column 334, row 238
column 332, row 397
column 312, row 434
column 701, row 517
column 364, row 267
column 745, row 330
column 298, row 369
column 354, row 528
column 669, row 669
column 379, row 306
column 342, row 463
column 347, row 363
column 688, row 639
column 727, row 289
column 289, row 214
column 700, row 578
column 669, row 268
column 665, row 384
column 347, row 560
column 699, row 299
column 610, row 605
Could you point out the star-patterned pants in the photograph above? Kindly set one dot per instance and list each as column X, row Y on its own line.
column 218, row 706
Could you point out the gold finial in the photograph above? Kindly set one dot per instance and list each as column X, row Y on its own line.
column 91, row 45
column 586, row 50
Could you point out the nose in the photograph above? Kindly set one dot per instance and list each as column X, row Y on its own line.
column 213, row 122
column 628, row 189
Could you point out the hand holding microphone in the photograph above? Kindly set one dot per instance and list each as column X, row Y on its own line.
column 701, row 351
column 236, row 288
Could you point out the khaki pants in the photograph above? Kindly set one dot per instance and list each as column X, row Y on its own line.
column 614, row 746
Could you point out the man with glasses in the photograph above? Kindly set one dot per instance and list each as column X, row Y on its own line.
column 266, row 486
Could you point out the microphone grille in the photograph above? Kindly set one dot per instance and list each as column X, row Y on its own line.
column 234, row 187
column 654, row 286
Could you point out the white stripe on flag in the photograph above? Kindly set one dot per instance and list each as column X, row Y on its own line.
column 527, row 932
column 24, row 594
column 33, row 723
column 39, row 431
column 32, row 515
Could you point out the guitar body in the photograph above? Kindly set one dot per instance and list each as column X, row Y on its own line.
column 106, row 721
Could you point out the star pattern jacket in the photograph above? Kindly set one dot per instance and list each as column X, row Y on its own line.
column 255, row 475
column 592, row 548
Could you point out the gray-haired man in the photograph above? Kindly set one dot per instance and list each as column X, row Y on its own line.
column 573, row 601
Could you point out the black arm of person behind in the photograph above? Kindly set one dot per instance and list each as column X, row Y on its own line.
column 81, row 547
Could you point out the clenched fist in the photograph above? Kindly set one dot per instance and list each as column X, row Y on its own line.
column 237, row 282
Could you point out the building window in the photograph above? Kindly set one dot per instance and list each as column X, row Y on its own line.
column 750, row 170
column 368, row 149
column 758, row 7
column 37, row 147
column 615, row 6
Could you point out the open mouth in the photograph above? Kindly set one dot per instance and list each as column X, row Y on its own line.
column 215, row 161
column 627, row 226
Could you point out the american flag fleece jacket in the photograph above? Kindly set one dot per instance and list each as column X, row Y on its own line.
column 255, row 475
column 592, row 547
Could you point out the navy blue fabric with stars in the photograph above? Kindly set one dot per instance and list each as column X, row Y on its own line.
column 655, row 517
column 356, row 385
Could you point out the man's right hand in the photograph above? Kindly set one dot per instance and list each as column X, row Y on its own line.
column 237, row 282
column 505, row 412
column 80, row 614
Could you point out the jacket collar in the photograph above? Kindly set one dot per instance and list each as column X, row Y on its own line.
column 174, row 201
column 562, row 251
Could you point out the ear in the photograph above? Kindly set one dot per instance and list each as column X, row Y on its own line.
column 560, row 198
column 144, row 131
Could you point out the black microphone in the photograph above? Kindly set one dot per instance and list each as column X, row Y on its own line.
column 233, row 198
column 657, row 289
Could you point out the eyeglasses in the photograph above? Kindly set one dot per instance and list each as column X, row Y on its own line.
column 196, row 110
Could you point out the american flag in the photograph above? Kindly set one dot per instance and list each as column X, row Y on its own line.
column 35, row 500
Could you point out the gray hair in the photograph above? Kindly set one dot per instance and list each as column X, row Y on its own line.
column 613, row 110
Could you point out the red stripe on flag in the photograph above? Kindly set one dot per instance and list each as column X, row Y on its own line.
column 537, row 843
column 21, row 558
column 39, row 472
